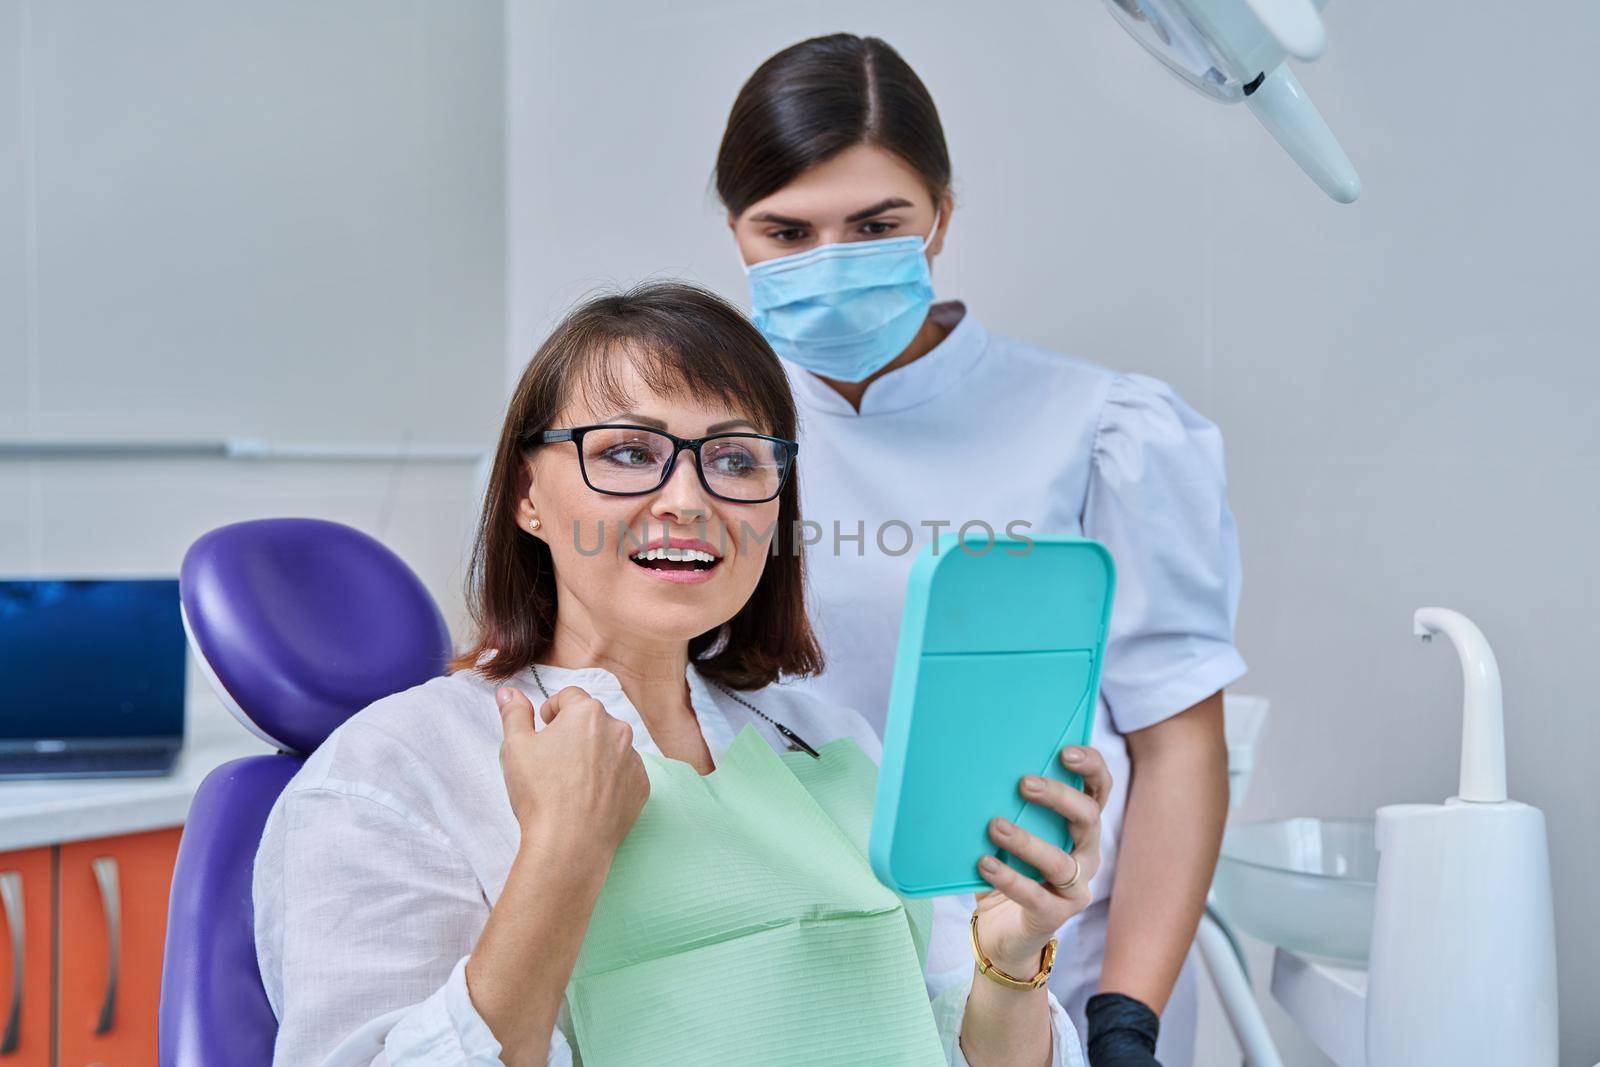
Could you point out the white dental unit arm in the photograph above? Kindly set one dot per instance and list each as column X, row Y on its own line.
column 1462, row 968
column 1233, row 50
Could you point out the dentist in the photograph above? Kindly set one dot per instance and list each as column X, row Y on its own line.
column 915, row 420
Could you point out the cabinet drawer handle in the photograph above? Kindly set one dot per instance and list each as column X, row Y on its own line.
column 11, row 897
column 105, row 876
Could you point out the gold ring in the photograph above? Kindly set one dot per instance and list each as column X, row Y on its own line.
column 1077, row 871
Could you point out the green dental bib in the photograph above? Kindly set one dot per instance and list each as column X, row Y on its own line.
column 742, row 924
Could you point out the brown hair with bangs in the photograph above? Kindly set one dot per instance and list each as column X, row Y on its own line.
column 683, row 340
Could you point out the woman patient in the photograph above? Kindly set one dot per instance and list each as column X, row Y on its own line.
column 608, row 837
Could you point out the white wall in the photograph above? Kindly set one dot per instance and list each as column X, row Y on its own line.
column 279, row 221
column 1406, row 384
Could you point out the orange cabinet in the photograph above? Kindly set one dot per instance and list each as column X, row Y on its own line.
column 27, row 910
column 85, row 927
column 113, row 927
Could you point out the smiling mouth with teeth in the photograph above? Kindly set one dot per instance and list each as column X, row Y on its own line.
column 675, row 559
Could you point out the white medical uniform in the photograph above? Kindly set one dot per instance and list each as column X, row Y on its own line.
column 985, row 428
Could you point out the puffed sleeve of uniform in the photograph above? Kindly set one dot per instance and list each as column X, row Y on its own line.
column 365, row 919
column 1157, row 498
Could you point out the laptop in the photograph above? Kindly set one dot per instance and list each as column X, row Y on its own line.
column 92, row 677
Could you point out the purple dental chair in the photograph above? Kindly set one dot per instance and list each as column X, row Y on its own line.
column 298, row 624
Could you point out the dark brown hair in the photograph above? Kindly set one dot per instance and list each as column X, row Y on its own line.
column 817, row 98
column 684, row 341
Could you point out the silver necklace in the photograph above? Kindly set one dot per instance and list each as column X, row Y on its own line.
column 796, row 742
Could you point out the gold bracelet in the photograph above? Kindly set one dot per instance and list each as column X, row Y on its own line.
column 995, row 974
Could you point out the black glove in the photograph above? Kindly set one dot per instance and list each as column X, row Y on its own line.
column 1122, row 1032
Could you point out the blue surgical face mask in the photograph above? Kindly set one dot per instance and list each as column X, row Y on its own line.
column 843, row 311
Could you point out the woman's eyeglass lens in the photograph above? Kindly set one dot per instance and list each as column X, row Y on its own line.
column 744, row 468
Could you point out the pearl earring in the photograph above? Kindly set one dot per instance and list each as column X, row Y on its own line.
column 534, row 524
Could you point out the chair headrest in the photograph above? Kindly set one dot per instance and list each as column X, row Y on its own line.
column 300, row 623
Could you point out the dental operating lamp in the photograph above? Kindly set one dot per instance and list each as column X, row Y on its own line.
column 1236, row 50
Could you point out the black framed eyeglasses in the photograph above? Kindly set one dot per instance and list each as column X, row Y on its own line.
column 626, row 460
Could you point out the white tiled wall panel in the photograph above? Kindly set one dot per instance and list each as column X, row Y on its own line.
column 14, row 213
column 278, row 221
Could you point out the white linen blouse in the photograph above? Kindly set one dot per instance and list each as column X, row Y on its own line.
column 382, row 858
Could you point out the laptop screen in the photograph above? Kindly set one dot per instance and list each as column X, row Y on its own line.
column 98, row 658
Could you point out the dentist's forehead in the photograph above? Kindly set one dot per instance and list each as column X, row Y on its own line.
column 849, row 184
